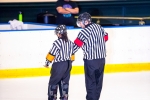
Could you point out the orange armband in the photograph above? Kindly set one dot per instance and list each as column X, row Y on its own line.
column 50, row 57
column 73, row 57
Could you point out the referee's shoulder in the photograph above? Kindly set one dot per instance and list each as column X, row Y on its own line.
column 95, row 24
column 91, row 25
column 57, row 41
column 70, row 41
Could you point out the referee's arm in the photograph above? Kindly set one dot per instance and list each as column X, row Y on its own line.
column 51, row 55
column 78, row 42
column 105, row 35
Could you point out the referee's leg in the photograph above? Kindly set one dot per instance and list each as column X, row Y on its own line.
column 57, row 72
column 94, row 70
column 90, row 81
column 99, row 77
column 65, row 82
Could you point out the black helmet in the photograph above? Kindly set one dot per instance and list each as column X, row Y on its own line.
column 61, row 29
column 84, row 17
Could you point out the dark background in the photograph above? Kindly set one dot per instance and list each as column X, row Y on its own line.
column 129, row 8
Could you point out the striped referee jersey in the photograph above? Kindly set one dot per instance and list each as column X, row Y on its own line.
column 60, row 51
column 92, row 41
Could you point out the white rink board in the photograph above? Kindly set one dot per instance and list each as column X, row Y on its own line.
column 27, row 49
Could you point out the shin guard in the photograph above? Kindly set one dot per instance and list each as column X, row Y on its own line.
column 52, row 92
column 64, row 91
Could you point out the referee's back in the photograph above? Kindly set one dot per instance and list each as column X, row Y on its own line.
column 62, row 50
column 92, row 37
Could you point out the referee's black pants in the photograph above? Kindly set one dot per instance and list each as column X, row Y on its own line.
column 94, row 70
column 60, row 74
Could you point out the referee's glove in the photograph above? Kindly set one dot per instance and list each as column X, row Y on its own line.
column 47, row 64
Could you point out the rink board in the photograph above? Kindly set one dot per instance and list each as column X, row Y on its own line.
column 22, row 53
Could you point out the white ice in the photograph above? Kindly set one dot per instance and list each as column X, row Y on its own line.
column 116, row 86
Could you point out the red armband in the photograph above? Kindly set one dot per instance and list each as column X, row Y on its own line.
column 78, row 42
column 106, row 37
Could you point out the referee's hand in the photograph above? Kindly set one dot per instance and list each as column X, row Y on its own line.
column 46, row 66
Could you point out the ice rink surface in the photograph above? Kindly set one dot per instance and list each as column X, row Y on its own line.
column 116, row 86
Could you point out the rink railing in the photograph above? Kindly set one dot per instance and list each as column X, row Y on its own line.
column 140, row 19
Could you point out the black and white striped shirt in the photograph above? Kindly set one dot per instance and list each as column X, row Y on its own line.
column 91, row 40
column 62, row 50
